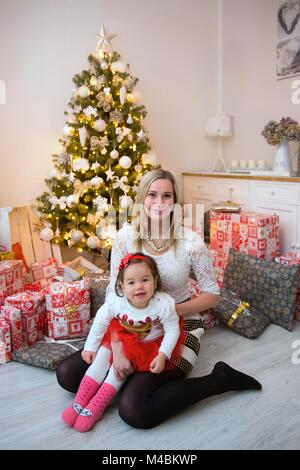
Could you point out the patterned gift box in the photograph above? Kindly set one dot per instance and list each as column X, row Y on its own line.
column 12, row 316
column 11, row 277
column 219, row 260
column 46, row 269
column 98, row 285
column 68, row 309
column 5, row 342
column 291, row 258
column 33, row 314
column 208, row 318
column 249, row 233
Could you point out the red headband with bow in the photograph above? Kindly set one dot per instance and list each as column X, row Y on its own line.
column 125, row 261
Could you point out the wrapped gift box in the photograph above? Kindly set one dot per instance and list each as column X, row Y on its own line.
column 219, row 260
column 7, row 255
column 46, row 269
column 5, row 342
column 290, row 259
column 11, row 277
column 12, row 316
column 98, row 285
column 79, row 268
column 68, row 309
column 33, row 314
column 249, row 233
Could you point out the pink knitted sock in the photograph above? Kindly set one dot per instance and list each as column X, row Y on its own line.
column 93, row 411
column 87, row 389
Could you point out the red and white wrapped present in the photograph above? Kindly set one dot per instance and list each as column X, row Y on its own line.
column 289, row 259
column 46, row 269
column 68, row 309
column 208, row 318
column 250, row 233
column 12, row 316
column 11, row 277
column 33, row 314
column 219, row 260
column 5, row 342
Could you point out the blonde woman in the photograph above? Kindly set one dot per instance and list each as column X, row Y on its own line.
column 146, row 399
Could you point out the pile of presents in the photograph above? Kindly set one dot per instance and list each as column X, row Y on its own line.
column 58, row 303
column 250, row 233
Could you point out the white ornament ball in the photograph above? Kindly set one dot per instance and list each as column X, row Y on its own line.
column 125, row 162
column 83, row 91
column 149, row 159
column 93, row 242
column 103, row 65
column 81, row 164
column 118, row 66
column 114, row 154
column 77, row 236
column 72, row 200
column 123, row 93
column 96, row 181
column 67, row 130
column 100, row 125
column 125, row 202
column 55, row 174
column 46, row 234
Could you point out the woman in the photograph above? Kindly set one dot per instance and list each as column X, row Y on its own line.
column 147, row 399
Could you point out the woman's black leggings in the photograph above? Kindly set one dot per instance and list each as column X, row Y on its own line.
column 147, row 399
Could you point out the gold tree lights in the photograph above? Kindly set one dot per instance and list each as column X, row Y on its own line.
column 105, row 151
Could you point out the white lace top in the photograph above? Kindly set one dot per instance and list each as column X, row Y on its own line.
column 174, row 268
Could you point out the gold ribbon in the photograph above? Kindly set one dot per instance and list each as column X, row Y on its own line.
column 70, row 310
column 142, row 330
column 237, row 312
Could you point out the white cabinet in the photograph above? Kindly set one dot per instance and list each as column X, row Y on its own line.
column 280, row 196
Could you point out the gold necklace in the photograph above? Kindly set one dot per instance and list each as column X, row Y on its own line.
column 158, row 249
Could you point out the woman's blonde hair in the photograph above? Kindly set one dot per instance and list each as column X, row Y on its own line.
column 140, row 218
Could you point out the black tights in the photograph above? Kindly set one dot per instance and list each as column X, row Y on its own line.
column 147, row 399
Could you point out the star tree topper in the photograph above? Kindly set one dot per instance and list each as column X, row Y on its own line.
column 104, row 39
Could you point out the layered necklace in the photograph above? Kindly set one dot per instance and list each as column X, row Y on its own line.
column 157, row 249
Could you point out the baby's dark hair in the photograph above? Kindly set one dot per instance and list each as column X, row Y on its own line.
column 136, row 258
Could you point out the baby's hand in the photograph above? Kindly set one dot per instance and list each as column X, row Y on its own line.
column 88, row 356
column 158, row 363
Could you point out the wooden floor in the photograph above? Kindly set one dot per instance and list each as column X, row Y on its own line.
column 31, row 402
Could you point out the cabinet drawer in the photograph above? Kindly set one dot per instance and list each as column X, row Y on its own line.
column 266, row 192
column 199, row 186
column 232, row 190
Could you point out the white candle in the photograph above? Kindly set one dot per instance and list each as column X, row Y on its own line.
column 251, row 163
column 234, row 163
column 261, row 164
column 243, row 163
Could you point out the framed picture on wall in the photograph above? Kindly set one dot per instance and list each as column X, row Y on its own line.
column 288, row 39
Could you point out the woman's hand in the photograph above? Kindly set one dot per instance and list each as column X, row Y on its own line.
column 158, row 363
column 88, row 356
column 122, row 366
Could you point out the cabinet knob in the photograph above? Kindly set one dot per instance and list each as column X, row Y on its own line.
column 272, row 193
column 293, row 246
column 199, row 186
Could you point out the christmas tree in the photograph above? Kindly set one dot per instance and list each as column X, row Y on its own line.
column 105, row 153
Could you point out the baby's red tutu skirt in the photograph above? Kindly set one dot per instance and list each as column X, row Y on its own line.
column 139, row 353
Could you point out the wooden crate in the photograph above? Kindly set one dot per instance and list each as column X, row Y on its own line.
column 21, row 222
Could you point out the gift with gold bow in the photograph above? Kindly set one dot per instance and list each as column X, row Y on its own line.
column 239, row 315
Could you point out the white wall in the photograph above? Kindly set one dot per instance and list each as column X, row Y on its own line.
column 170, row 46
column 252, row 94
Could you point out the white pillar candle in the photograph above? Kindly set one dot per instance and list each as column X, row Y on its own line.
column 234, row 163
column 251, row 163
column 261, row 164
column 243, row 163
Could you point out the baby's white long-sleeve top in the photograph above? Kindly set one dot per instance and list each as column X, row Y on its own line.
column 160, row 311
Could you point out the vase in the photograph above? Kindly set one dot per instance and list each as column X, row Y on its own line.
column 282, row 159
